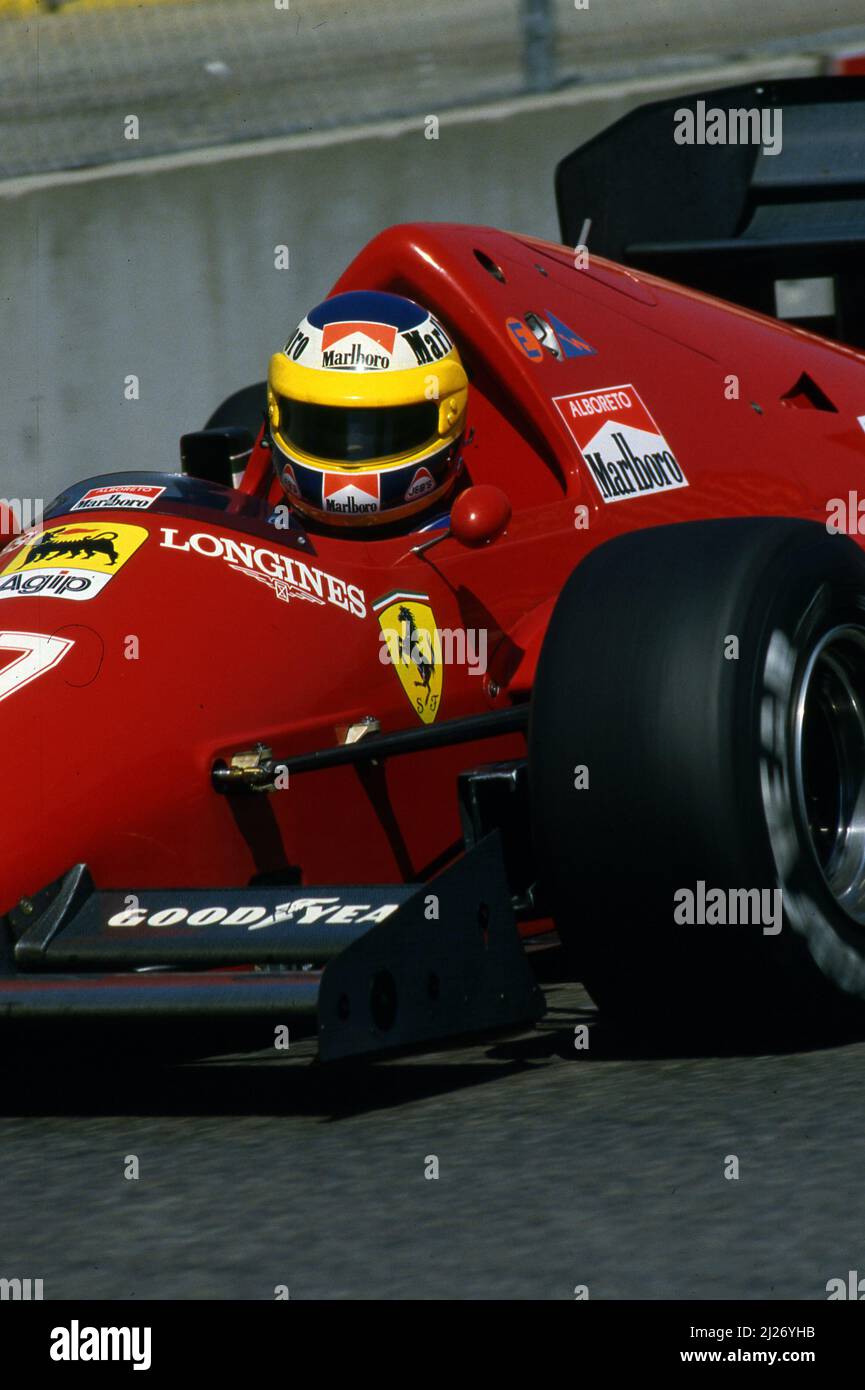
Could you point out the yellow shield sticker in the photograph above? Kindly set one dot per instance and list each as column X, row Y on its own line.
column 74, row 561
column 412, row 645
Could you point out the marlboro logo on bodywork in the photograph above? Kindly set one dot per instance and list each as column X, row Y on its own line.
column 127, row 497
column 620, row 443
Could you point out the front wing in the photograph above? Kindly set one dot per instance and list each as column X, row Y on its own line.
column 368, row 969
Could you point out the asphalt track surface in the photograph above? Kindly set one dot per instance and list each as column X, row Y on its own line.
column 557, row 1167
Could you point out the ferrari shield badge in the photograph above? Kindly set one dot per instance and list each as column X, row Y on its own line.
column 410, row 642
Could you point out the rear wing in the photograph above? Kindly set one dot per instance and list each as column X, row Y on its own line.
column 734, row 218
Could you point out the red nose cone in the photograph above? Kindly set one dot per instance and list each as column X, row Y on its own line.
column 479, row 515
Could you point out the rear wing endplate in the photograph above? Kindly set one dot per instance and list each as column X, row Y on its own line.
column 733, row 218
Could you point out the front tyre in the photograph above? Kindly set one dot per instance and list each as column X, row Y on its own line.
column 697, row 769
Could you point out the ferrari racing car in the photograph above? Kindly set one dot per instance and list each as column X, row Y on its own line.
column 348, row 779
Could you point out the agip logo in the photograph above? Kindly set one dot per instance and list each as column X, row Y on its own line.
column 75, row 561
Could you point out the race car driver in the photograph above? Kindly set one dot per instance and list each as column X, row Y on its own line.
column 366, row 408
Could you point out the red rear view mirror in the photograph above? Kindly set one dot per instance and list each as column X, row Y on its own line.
column 480, row 515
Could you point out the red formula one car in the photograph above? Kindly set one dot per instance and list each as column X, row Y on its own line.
column 222, row 804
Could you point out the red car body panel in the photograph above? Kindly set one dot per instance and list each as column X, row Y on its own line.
column 182, row 658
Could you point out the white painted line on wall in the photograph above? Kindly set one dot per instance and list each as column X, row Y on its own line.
column 696, row 79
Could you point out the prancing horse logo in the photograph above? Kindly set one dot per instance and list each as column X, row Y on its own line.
column 412, row 639
column 415, row 642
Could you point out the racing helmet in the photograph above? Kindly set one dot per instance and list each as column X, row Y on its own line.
column 366, row 404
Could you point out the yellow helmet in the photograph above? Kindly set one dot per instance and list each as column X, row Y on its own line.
column 367, row 405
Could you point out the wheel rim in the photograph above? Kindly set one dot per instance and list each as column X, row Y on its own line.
column 830, row 763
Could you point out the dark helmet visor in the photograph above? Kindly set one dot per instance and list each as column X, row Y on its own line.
column 354, row 434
